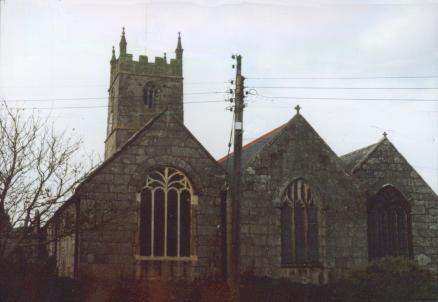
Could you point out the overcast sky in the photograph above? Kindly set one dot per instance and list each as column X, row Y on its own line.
column 61, row 49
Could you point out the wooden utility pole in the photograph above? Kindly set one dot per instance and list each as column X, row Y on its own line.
column 237, row 170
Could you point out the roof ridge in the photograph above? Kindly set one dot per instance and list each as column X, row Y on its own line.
column 357, row 150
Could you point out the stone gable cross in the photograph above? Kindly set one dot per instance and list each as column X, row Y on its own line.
column 297, row 108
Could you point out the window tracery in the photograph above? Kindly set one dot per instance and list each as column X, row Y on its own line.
column 165, row 214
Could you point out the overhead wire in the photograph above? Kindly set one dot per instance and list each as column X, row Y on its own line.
column 102, row 106
column 343, row 88
column 99, row 98
column 345, row 78
column 346, row 99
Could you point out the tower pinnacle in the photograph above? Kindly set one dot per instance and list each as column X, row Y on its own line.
column 113, row 57
column 123, row 43
column 179, row 50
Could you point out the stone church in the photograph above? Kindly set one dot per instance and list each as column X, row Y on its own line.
column 158, row 208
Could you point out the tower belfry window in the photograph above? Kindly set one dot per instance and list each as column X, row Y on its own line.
column 150, row 94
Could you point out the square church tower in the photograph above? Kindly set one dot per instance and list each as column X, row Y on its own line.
column 139, row 90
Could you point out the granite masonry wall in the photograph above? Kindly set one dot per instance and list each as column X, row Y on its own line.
column 61, row 240
column 110, row 248
column 298, row 152
column 385, row 165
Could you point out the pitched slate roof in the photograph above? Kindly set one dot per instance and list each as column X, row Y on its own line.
column 354, row 159
column 249, row 150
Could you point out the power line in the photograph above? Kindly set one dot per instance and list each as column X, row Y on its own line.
column 102, row 85
column 99, row 98
column 346, row 99
column 92, row 107
column 267, row 98
column 344, row 78
column 342, row 88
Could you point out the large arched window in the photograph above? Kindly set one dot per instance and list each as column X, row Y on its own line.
column 389, row 224
column 299, row 225
column 165, row 214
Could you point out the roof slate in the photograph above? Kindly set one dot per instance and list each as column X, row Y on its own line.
column 249, row 150
column 353, row 159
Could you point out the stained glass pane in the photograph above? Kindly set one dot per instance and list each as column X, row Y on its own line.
column 312, row 236
column 402, row 218
column 159, row 223
column 185, row 224
column 145, row 223
column 172, row 221
column 300, row 248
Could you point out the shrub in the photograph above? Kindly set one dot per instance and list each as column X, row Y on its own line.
column 264, row 289
column 392, row 279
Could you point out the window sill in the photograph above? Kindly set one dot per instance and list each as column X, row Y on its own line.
column 166, row 258
column 302, row 265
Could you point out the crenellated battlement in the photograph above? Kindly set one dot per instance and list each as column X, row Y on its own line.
column 160, row 67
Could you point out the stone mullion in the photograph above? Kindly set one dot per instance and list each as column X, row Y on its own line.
column 165, row 191
column 165, row 221
column 152, row 221
column 178, row 225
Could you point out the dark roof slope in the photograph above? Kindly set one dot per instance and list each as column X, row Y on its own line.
column 297, row 125
column 250, row 149
column 353, row 159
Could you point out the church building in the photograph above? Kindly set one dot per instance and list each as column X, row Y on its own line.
column 157, row 207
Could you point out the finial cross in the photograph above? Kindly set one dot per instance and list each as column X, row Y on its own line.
column 297, row 108
column 385, row 134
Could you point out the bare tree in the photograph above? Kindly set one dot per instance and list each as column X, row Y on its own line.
column 39, row 169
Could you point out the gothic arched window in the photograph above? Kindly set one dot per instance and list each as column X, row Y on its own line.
column 389, row 224
column 299, row 225
column 165, row 214
column 150, row 94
